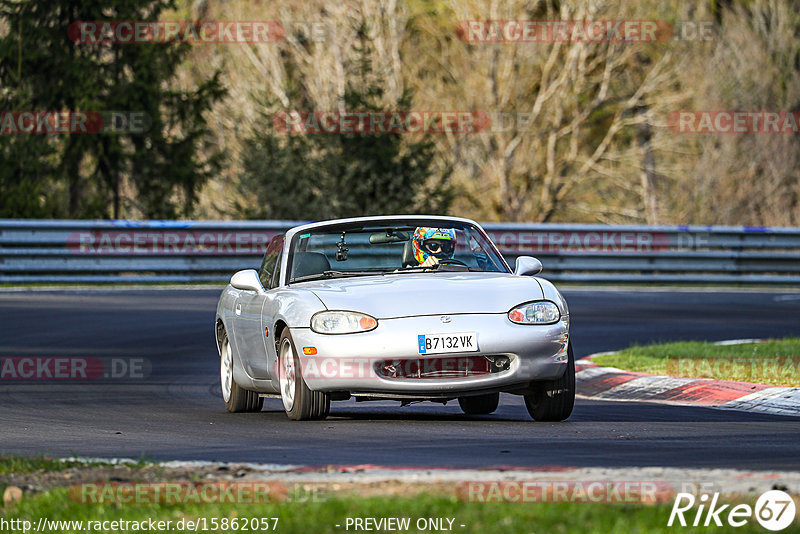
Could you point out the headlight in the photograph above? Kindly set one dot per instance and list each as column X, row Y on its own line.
column 540, row 312
column 342, row 322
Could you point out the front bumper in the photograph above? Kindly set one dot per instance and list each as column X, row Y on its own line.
column 350, row 362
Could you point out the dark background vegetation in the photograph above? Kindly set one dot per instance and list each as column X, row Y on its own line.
column 594, row 147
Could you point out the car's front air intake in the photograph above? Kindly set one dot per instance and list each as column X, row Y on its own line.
column 441, row 367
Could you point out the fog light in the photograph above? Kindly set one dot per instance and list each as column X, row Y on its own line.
column 501, row 363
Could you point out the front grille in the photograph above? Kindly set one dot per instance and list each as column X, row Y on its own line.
column 441, row 367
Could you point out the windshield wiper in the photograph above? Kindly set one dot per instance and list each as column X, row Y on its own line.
column 455, row 267
column 415, row 269
column 333, row 274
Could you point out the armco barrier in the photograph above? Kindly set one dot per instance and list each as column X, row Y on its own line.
column 210, row 251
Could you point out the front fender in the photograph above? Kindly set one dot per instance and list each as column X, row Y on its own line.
column 551, row 293
column 224, row 313
column 295, row 307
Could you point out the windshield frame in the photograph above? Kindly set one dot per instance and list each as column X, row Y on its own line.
column 362, row 223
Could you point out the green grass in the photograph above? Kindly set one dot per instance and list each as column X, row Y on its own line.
column 775, row 362
column 307, row 511
column 17, row 465
column 324, row 516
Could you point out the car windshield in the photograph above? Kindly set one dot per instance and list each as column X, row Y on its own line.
column 405, row 247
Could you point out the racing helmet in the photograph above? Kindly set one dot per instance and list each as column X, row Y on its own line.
column 437, row 242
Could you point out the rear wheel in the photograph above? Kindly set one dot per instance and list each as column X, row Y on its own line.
column 480, row 404
column 299, row 402
column 553, row 400
column 236, row 398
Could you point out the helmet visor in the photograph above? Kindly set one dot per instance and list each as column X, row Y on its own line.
column 438, row 247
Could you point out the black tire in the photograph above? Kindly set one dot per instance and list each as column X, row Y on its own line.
column 236, row 398
column 480, row 404
column 299, row 402
column 553, row 400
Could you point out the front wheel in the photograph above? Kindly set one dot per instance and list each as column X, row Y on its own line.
column 553, row 400
column 480, row 404
column 236, row 398
column 299, row 402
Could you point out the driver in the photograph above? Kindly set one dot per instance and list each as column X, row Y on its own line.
column 431, row 245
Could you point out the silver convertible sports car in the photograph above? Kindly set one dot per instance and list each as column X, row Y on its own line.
column 405, row 308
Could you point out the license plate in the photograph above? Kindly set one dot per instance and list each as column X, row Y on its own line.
column 444, row 343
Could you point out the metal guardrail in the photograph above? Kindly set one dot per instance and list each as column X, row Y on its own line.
column 210, row 251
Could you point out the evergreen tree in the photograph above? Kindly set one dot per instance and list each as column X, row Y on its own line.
column 322, row 176
column 80, row 175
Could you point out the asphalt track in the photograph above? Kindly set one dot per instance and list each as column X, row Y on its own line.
column 177, row 412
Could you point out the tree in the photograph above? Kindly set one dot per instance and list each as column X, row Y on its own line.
column 753, row 64
column 321, row 176
column 564, row 113
column 87, row 176
column 317, row 176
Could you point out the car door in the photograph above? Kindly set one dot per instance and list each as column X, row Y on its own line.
column 269, row 311
column 249, row 324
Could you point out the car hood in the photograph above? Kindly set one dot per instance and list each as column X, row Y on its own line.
column 404, row 295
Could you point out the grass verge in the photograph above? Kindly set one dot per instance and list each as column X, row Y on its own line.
column 17, row 465
column 331, row 515
column 60, row 508
column 775, row 362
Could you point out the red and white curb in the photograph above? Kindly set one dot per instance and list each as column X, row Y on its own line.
column 610, row 383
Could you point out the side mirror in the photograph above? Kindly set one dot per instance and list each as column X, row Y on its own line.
column 247, row 280
column 527, row 266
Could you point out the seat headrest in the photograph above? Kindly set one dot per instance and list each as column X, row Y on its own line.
column 409, row 260
column 308, row 263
